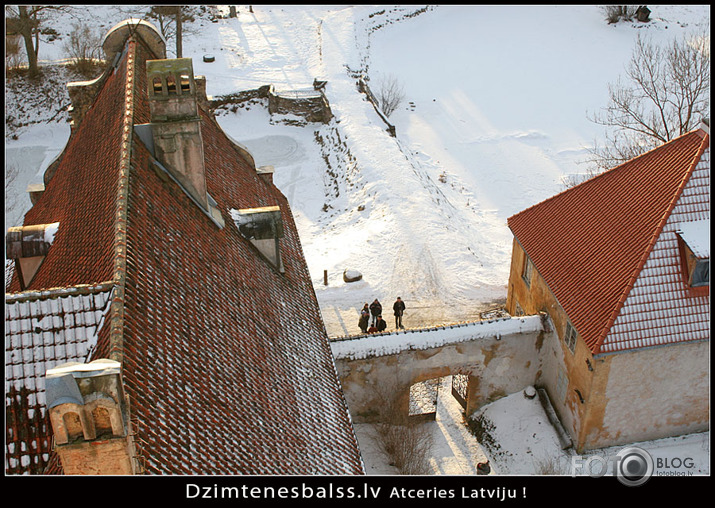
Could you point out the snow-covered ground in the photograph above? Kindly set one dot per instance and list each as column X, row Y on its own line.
column 525, row 443
column 494, row 119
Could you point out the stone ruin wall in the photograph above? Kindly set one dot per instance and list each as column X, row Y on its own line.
column 309, row 105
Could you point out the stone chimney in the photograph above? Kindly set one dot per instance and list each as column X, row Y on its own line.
column 89, row 417
column 176, row 124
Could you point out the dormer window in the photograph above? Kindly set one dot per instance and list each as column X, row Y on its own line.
column 28, row 246
column 263, row 227
column 694, row 249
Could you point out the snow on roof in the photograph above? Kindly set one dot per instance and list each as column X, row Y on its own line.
column 697, row 235
column 660, row 309
column 391, row 343
column 51, row 231
column 43, row 330
column 50, row 331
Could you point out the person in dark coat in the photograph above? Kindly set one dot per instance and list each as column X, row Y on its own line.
column 399, row 308
column 380, row 324
column 365, row 311
column 364, row 321
column 375, row 310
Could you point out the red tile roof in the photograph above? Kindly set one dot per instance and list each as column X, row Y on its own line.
column 41, row 333
column 225, row 360
column 591, row 242
column 81, row 196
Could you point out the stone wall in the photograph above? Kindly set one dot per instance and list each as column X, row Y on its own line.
column 312, row 105
column 498, row 362
column 567, row 377
column 675, row 399
column 309, row 104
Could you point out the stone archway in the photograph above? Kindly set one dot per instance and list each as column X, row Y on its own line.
column 489, row 360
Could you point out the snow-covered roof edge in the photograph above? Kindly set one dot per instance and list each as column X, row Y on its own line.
column 697, row 235
column 392, row 343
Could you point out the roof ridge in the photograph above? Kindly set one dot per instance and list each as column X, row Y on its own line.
column 116, row 329
column 698, row 131
column 704, row 144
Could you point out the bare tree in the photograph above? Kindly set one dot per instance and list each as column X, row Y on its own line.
column 27, row 20
column 84, row 48
column 666, row 93
column 390, row 94
column 13, row 58
column 614, row 13
column 404, row 440
column 171, row 20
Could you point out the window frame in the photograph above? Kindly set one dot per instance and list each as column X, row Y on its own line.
column 562, row 385
column 689, row 263
column 695, row 280
column 527, row 271
column 570, row 337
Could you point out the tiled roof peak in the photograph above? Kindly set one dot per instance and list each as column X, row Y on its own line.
column 591, row 242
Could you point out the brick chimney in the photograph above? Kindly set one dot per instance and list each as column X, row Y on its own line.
column 89, row 417
column 176, row 124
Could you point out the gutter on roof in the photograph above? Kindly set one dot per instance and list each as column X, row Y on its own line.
column 80, row 289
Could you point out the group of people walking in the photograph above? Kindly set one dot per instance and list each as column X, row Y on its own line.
column 374, row 311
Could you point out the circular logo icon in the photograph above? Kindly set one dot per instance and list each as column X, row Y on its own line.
column 634, row 467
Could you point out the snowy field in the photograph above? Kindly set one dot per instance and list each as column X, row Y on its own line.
column 494, row 119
